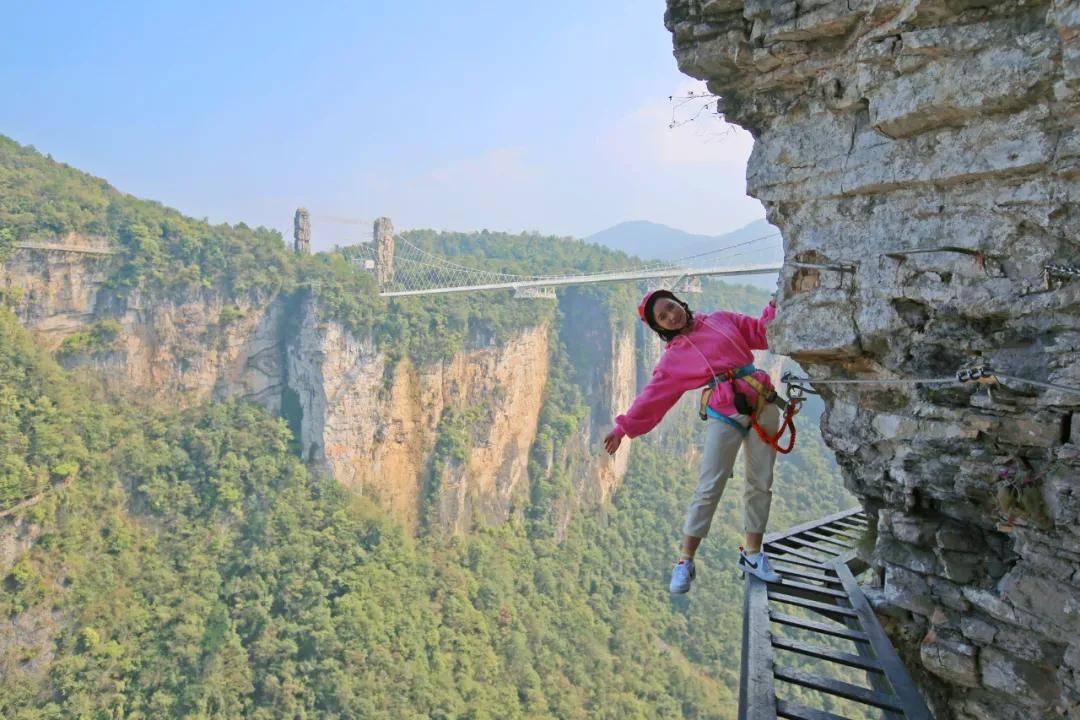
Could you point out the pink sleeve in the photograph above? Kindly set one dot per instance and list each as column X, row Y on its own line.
column 651, row 404
column 753, row 330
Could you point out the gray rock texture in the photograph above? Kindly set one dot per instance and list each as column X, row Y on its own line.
column 922, row 160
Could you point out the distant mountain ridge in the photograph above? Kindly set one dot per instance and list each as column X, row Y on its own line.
column 655, row 241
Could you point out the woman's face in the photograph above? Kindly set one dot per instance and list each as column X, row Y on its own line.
column 669, row 314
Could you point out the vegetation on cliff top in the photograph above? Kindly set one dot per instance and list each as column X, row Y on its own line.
column 171, row 256
column 43, row 199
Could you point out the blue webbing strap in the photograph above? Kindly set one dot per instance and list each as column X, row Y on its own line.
column 741, row 372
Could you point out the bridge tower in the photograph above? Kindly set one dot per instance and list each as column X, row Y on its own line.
column 302, row 231
column 384, row 251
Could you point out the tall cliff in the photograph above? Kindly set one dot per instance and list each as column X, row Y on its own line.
column 921, row 158
column 375, row 422
column 443, row 442
column 191, row 348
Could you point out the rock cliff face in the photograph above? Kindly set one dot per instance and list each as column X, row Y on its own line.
column 604, row 359
column 921, row 158
column 57, row 290
column 192, row 349
column 375, row 428
column 447, row 443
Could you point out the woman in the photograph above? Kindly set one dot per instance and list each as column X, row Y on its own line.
column 713, row 348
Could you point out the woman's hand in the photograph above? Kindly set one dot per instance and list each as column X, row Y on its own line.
column 612, row 442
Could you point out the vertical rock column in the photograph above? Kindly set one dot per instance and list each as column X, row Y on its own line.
column 302, row 231
column 922, row 159
column 384, row 251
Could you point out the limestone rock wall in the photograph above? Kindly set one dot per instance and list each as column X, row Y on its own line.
column 188, row 349
column 199, row 348
column 375, row 427
column 57, row 291
column 922, row 158
column 603, row 358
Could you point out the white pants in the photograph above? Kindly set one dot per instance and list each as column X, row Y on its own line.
column 722, row 442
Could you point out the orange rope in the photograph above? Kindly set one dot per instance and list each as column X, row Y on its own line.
column 774, row 440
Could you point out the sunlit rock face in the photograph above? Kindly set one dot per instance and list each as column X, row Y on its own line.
column 922, row 159
column 54, row 292
column 376, row 428
column 177, row 348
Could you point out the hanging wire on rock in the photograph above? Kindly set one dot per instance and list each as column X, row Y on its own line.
column 978, row 374
column 1062, row 270
column 1039, row 383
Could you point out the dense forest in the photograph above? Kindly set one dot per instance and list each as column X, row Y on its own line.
column 185, row 563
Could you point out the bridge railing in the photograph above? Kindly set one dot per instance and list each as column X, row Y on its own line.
column 82, row 248
column 728, row 270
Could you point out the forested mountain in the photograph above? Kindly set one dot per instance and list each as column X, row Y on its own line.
column 652, row 240
column 184, row 559
column 655, row 241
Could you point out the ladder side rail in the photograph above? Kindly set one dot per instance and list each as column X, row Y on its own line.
column 877, row 680
column 903, row 686
column 757, row 691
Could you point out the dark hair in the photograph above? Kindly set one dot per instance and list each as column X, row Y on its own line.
column 667, row 335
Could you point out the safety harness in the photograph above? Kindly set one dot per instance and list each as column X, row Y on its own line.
column 765, row 395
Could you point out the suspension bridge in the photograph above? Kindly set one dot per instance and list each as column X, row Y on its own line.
column 403, row 268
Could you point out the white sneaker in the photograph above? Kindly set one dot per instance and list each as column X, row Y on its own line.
column 757, row 564
column 681, row 576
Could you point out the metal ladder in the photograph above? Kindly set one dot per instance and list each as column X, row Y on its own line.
column 817, row 562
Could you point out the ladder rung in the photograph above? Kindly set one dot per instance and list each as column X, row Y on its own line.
column 785, row 550
column 807, row 587
column 842, row 531
column 814, row 566
column 899, row 682
column 838, row 688
column 821, row 653
column 812, row 525
column 794, row 711
column 826, row 608
column 797, row 540
column 852, row 524
column 825, row 538
column 808, row 576
column 815, row 626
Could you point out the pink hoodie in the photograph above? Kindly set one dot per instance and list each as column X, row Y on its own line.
column 720, row 339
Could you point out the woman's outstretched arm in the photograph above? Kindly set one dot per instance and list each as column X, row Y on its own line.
column 648, row 409
column 753, row 329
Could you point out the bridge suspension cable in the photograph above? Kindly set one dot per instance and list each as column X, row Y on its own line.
column 417, row 271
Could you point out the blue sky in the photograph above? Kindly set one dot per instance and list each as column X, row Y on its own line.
column 549, row 116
